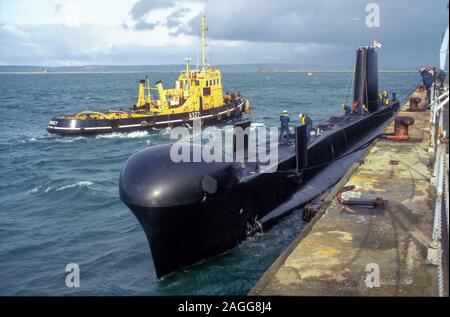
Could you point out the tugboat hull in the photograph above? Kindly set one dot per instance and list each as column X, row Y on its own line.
column 64, row 125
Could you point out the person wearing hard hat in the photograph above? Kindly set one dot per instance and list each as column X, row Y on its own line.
column 302, row 119
column 284, row 128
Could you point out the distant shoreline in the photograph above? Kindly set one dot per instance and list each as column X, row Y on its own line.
column 143, row 72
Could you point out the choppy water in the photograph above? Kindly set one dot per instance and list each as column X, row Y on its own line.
column 59, row 199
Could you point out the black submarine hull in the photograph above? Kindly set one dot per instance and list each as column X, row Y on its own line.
column 62, row 125
column 182, row 234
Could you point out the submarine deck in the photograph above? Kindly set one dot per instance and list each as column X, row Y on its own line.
column 286, row 150
column 334, row 255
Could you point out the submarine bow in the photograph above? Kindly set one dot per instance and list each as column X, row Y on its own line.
column 150, row 178
column 175, row 203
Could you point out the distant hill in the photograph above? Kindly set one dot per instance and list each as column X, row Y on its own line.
column 92, row 68
column 169, row 68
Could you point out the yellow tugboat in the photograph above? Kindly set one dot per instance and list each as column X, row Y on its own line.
column 197, row 94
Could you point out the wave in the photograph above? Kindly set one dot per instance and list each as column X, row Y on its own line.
column 34, row 190
column 69, row 139
column 78, row 184
column 57, row 189
column 165, row 131
column 30, row 139
column 129, row 135
column 45, row 138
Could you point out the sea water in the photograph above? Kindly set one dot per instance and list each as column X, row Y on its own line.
column 59, row 200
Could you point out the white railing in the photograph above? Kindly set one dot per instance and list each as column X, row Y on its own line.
column 438, row 250
column 437, row 116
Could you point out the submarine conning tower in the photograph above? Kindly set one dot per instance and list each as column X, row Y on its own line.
column 366, row 80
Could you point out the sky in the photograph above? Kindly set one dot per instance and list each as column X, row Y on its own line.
column 156, row 32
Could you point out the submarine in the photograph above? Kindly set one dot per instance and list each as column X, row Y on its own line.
column 191, row 211
column 196, row 95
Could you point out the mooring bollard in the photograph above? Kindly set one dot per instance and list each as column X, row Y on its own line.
column 401, row 126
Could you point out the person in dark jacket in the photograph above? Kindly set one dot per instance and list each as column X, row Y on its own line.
column 440, row 74
column 284, row 129
column 428, row 80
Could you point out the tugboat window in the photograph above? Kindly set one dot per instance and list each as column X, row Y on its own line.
column 206, row 91
column 197, row 83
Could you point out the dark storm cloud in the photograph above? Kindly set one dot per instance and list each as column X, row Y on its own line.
column 409, row 30
column 403, row 22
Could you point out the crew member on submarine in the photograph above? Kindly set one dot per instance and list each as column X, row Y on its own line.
column 305, row 119
column 284, row 128
column 384, row 96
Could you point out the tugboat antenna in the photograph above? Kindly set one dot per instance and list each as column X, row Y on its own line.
column 187, row 61
column 149, row 96
column 204, row 29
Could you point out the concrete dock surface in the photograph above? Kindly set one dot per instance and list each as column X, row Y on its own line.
column 347, row 250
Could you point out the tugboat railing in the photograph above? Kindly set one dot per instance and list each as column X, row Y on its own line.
column 91, row 112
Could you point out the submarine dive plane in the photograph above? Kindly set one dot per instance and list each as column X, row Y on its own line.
column 191, row 211
column 197, row 95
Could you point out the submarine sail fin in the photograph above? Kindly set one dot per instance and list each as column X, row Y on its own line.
column 366, row 80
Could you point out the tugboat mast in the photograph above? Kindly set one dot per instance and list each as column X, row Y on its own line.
column 204, row 29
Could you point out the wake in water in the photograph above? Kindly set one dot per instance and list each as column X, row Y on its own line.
column 117, row 135
column 59, row 188
column 79, row 184
column 59, row 139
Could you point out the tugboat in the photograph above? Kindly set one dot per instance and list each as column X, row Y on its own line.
column 197, row 95
column 191, row 211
